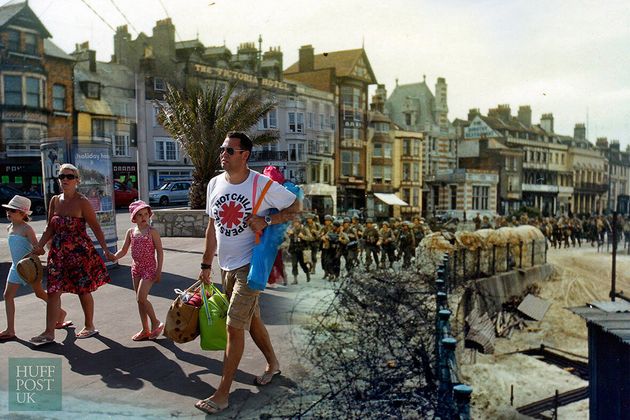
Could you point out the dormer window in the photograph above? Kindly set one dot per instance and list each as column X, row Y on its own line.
column 91, row 90
column 13, row 40
column 30, row 44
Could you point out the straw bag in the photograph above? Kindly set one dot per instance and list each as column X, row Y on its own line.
column 182, row 320
column 30, row 269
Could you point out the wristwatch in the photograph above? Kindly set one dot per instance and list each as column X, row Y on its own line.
column 268, row 220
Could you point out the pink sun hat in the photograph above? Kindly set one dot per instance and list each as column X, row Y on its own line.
column 136, row 206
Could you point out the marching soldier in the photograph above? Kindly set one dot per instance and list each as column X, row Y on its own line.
column 477, row 221
column 418, row 229
column 387, row 243
column 299, row 240
column 371, row 238
column 325, row 245
column 406, row 243
column 352, row 246
column 358, row 227
column 314, row 244
column 336, row 240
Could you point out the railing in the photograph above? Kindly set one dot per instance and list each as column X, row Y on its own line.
column 590, row 187
column 453, row 396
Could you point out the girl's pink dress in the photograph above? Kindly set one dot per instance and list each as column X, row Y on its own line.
column 144, row 264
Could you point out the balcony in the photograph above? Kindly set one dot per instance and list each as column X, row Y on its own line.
column 589, row 187
column 269, row 155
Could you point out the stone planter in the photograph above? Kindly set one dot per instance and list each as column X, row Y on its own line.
column 182, row 222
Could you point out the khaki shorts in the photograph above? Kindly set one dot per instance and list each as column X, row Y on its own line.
column 243, row 300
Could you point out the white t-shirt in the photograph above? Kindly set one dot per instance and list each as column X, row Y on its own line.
column 230, row 204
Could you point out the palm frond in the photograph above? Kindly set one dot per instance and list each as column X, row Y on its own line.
column 200, row 118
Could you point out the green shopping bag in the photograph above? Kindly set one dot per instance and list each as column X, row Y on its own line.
column 212, row 317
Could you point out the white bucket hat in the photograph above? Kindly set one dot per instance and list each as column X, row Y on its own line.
column 19, row 203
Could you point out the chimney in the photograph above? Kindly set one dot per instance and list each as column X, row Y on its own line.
column 307, row 58
column 502, row 112
column 546, row 122
column 614, row 145
column 525, row 115
column 602, row 142
column 579, row 132
column 472, row 113
column 82, row 52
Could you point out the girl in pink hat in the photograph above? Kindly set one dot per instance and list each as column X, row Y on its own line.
column 146, row 269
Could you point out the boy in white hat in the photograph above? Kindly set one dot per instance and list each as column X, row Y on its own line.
column 21, row 238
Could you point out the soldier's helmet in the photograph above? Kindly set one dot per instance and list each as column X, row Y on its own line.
column 336, row 223
column 309, row 216
column 355, row 217
column 385, row 224
column 346, row 220
column 329, row 218
column 369, row 220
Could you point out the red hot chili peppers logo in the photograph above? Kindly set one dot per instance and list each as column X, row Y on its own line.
column 230, row 211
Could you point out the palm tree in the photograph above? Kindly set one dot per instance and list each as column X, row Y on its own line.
column 200, row 118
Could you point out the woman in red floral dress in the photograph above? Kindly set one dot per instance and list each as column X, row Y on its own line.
column 74, row 265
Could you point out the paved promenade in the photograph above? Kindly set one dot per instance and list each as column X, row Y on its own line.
column 111, row 376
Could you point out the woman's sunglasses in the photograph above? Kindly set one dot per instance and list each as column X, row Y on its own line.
column 69, row 177
column 11, row 210
column 230, row 150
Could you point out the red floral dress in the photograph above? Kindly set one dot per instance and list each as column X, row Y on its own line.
column 74, row 265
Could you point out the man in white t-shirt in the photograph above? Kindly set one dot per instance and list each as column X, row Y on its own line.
column 231, row 232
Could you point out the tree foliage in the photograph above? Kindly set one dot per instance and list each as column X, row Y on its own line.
column 199, row 119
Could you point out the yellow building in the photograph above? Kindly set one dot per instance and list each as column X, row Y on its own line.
column 394, row 169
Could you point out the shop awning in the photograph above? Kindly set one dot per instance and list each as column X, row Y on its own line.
column 390, row 199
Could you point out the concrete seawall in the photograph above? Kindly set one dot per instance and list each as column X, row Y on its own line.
column 488, row 294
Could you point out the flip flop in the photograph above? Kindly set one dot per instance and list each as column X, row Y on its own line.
column 85, row 333
column 40, row 340
column 266, row 377
column 7, row 337
column 157, row 331
column 209, row 407
column 62, row 325
column 141, row 336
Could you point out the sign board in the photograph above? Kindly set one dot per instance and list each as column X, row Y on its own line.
column 97, row 184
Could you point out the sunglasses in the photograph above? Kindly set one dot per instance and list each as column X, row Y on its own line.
column 11, row 210
column 230, row 150
column 69, row 177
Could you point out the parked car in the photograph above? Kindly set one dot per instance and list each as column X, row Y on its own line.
column 37, row 202
column 124, row 195
column 170, row 192
column 443, row 216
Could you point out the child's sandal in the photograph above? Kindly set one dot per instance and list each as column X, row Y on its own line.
column 141, row 336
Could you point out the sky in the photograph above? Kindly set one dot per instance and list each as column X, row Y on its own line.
column 570, row 57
